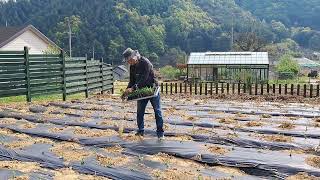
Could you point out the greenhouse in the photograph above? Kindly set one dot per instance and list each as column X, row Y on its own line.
column 232, row 67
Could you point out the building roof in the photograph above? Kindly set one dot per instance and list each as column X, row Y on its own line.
column 305, row 62
column 229, row 58
column 7, row 34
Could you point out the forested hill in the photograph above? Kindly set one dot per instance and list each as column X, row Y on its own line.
column 165, row 30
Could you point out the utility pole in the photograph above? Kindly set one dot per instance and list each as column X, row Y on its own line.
column 70, row 38
column 93, row 52
column 232, row 32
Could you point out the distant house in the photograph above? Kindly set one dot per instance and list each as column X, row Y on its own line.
column 229, row 66
column 16, row 38
column 120, row 73
column 307, row 63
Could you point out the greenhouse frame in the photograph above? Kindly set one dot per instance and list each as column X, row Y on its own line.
column 231, row 67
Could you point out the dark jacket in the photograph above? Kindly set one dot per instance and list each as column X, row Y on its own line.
column 142, row 74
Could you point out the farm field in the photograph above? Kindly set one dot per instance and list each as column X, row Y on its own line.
column 205, row 139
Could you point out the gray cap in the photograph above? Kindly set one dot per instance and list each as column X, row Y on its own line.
column 128, row 53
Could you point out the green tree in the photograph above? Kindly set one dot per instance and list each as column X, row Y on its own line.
column 288, row 65
column 62, row 30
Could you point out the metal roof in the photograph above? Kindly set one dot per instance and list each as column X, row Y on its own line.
column 226, row 58
column 305, row 62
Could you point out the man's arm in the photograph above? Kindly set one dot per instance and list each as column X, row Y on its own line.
column 132, row 78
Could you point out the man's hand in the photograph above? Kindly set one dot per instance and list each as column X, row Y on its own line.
column 128, row 91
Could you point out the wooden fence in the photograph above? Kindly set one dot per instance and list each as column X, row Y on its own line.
column 32, row 75
column 305, row 90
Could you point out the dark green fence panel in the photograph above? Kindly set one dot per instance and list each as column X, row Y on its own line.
column 32, row 75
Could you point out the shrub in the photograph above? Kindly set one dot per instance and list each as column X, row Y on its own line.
column 169, row 72
column 287, row 65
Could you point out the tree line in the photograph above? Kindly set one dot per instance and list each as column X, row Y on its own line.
column 166, row 30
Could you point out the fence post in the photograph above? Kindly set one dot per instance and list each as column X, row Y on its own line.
column 211, row 88
column 185, row 87
column 228, row 88
column 217, row 88
column 274, row 88
column 280, row 89
column 27, row 71
column 318, row 90
column 102, row 76
column 161, row 87
column 304, row 90
column 239, row 88
column 113, row 88
column 64, row 91
column 268, row 88
column 244, row 88
column 196, row 88
column 166, row 88
column 222, row 88
column 87, row 83
column 176, row 88
column 311, row 90
column 200, row 88
column 206, row 89
column 298, row 90
column 180, row 84
column 250, row 89
column 292, row 89
column 190, row 88
column 286, row 89
column 233, row 88
column 256, row 89
column 171, row 89
column 262, row 89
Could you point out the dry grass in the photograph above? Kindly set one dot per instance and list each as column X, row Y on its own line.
column 180, row 138
column 175, row 174
column 313, row 161
column 218, row 150
column 266, row 116
column 70, row 151
column 254, row 124
column 94, row 132
column 317, row 119
column 69, row 174
column 131, row 137
column 28, row 125
column 112, row 161
column 241, row 115
column 171, row 161
column 22, row 143
column 227, row 121
column 202, row 131
column 58, row 129
column 25, row 167
column 229, row 170
column 114, row 149
column 277, row 138
column 302, row 176
column 8, row 121
column 286, row 125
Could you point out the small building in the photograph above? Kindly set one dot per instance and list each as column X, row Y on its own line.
column 232, row 67
column 120, row 72
column 16, row 38
column 307, row 65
